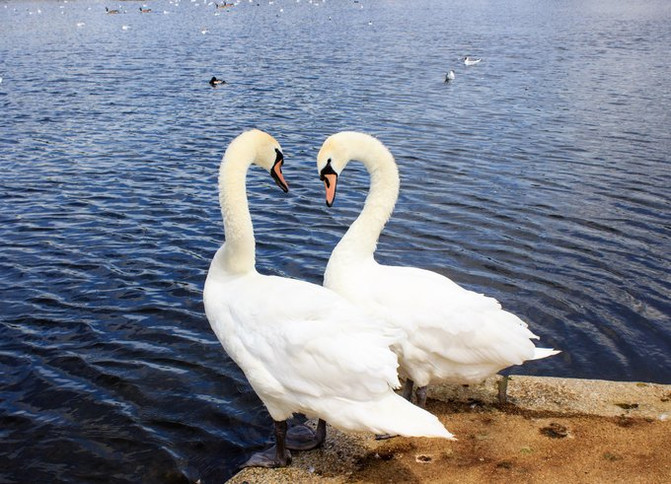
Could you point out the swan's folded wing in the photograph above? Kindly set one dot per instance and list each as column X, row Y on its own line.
column 314, row 342
column 445, row 319
column 321, row 360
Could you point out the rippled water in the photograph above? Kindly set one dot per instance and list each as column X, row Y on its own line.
column 540, row 177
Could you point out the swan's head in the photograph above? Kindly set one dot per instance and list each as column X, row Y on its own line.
column 331, row 161
column 338, row 150
column 267, row 154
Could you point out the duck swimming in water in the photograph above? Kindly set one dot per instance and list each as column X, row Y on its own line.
column 216, row 82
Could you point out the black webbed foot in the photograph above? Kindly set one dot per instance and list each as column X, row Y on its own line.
column 302, row 437
column 269, row 458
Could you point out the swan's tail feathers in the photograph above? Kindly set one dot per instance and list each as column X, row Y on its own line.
column 411, row 421
column 394, row 415
column 544, row 353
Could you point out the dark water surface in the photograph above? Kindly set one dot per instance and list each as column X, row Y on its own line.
column 540, row 177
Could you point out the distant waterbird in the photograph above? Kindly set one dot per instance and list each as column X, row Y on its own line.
column 114, row 11
column 449, row 76
column 471, row 61
column 216, row 82
column 145, row 10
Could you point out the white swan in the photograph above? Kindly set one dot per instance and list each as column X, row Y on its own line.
column 451, row 334
column 302, row 347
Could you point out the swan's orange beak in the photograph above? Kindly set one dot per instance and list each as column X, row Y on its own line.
column 330, row 182
column 330, row 178
column 276, row 172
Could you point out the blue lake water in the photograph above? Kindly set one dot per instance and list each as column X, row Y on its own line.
column 540, row 177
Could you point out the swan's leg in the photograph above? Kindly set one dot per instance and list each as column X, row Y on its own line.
column 421, row 396
column 503, row 389
column 302, row 437
column 407, row 389
column 283, row 454
column 276, row 456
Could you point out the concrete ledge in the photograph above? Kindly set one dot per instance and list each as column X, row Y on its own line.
column 598, row 411
column 569, row 395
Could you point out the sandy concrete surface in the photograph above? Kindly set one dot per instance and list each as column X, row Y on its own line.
column 550, row 430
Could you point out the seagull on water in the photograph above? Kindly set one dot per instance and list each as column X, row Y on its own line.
column 470, row 61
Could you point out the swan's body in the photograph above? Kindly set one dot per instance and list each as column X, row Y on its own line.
column 471, row 61
column 451, row 334
column 302, row 347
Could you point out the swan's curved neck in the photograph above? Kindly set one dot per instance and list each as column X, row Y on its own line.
column 237, row 255
column 360, row 240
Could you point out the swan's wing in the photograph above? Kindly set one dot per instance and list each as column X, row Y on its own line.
column 300, row 338
column 443, row 319
column 318, row 360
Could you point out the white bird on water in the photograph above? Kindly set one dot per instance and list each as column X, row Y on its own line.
column 471, row 61
column 449, row 76
column 452, row 335
column 303, row 348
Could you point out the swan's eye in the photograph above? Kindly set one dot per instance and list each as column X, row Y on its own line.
column 327, row 170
